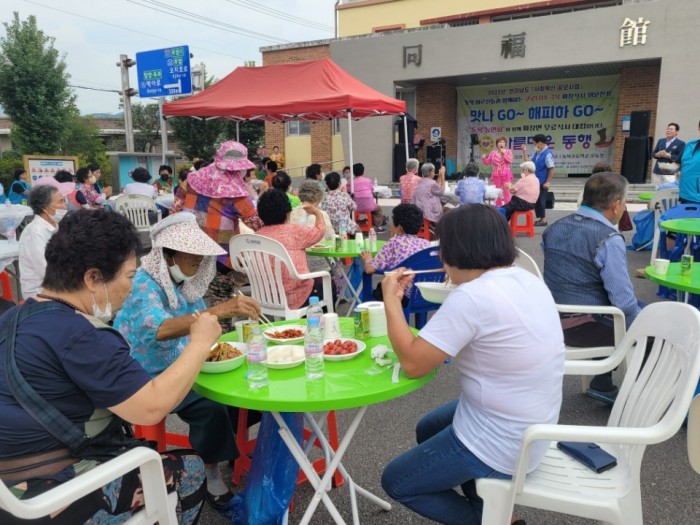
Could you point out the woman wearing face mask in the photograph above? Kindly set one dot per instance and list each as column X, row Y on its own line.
column 49, row 206
column 87, row 194
column 166, row 299
column 82, row 368
column 165, row 182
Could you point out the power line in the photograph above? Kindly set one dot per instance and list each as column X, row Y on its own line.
column 133, row 30
column 203, row 20
column 95, row 89
column 255, row 6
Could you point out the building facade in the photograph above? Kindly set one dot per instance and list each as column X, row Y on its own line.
column 575, row 71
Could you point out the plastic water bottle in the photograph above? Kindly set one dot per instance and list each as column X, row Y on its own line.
column 256, row 375
column 11, row 235
column 314, row 311
column 359, row 241
column 313, row 350
column 372, row 236
column 343, row 231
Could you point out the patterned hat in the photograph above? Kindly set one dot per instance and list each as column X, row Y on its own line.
column 64, row 188
column 233, row 156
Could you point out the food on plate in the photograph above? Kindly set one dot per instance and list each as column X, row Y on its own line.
column 285, row 354
column 289, row 333
column 339, row 347
column 223, row 352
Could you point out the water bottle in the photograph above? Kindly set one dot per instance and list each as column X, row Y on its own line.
column 372, row 235
column 313, row 350
column 343, row 231
column 11, row 235
column 314, row 311
column 359, row 241
column 256, row 375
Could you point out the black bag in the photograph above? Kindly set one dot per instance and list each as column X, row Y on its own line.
column 589, row 454
column 115, row 439
column 549, row 205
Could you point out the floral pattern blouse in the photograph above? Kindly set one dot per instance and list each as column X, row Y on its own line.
column 398, row 249
column 340, row 207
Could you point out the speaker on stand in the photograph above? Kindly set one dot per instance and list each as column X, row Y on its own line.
column 639, row 123
column 399, row 163
column 635, row 159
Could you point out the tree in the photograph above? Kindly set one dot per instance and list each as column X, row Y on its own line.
column 146, row 120
column 82, row 137
column 34, row 90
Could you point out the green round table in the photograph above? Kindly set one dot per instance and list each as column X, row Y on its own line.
column 673, row 278
column 333, row 257
column 646, row 197
column 687, row 226
column 355, row 383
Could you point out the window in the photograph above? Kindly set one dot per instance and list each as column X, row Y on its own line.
column 336, row 126
column 298, row 127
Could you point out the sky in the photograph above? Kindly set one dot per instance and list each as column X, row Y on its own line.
column 91, row 34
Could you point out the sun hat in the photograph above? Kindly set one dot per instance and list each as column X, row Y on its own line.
column 180, row 232
column 232, row 156
column 65, row 188
column 223, row 178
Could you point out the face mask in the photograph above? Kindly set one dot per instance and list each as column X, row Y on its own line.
column 177, row 274
column 165, row 177
column 92, row 180
column 60, row 213
column 102, row 315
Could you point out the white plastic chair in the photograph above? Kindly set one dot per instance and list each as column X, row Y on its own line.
column 136, row 208
column 262, row 259
column 660, row 202
column 650, row 408
column 694, row 434
column 159, row 506
column 573, row 352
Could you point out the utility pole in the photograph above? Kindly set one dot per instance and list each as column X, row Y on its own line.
column 125, row 63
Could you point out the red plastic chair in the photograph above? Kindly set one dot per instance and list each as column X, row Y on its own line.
column 6, row 286
column 527, row 228
column 162, row 438
column 363, row 219
column 424, row 232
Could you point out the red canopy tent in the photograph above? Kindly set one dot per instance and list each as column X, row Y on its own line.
column 315, row 90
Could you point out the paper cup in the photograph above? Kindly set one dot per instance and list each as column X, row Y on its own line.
column 331, row 326
column 661, row 266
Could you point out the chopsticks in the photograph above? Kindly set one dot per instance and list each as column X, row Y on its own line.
column 264, row 319
column 416, row 272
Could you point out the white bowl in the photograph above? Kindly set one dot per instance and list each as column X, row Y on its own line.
column 343, row 357
column 219, row 367
column 435, row 292
column 268, row 333
column 285, row 356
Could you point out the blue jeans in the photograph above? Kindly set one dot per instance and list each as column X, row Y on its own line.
column 423, row 479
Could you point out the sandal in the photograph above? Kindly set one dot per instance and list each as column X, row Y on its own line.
column 541, row 222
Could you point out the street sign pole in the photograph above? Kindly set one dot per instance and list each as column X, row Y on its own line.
column 163, row 131
column 128, row 124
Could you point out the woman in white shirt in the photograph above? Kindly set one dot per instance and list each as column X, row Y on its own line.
column 49, row 206
column 140, row 186
column 501, row 329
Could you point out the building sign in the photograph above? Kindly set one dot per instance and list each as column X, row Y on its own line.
column 513, row 45
column 40, row 166
column 413, row 55
column 633, row 33
column 578, row 116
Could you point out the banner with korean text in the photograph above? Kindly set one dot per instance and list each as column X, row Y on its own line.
column 577, row 115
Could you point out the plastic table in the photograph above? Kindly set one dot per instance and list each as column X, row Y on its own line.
column 333, row 257
column 673, row 278
column 646, row 197
column 356, row 383
column 686, row 226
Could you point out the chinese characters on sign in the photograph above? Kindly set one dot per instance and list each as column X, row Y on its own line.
column 412, row 55
column 513, row 45
column 633, row 32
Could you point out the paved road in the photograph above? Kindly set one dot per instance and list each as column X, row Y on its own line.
column 670, row 489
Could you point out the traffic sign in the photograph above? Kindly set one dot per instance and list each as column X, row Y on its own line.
column 164, row 72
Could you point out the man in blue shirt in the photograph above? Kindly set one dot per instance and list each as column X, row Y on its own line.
column 690, row 172
column 585, row 263
column 544, row 170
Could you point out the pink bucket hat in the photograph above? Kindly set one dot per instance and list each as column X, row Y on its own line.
column 232, row 156
column 64, row 188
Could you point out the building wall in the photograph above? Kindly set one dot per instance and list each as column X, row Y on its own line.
column 436, row 105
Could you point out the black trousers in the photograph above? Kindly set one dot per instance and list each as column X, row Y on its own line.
column 516, row 204
column 541, row 204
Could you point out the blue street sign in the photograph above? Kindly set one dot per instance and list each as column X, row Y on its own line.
column 164, row 72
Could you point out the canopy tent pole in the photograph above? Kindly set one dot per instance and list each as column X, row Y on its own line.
column 405, row 135
column 352, row 175
column 238, row 131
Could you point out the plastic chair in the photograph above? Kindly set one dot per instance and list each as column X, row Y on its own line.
column 527, row 228
column 573, row 352
column 363, row 219
column 661, row 201
column 653, row 400
column 694, row 434
column 262, row 259
column 136, row 208
column 162, row 438
column 424, row 232
column 159, row 506
column 427, row 259
column 6, row 286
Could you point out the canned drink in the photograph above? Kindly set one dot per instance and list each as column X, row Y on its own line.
column 686, row 264
column 361, row 317
column 247, row 327
column 338, row 244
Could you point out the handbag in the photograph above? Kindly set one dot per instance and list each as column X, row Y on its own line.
column 549, row 204
column 625, row 223
column 589, row 454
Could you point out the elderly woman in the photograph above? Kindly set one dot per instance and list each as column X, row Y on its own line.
column 166, row 300
column 311, row 195
column 19, row 189
column 274, row 210
column 141, row 184
column 49, row 207
column 471, row 189
column 82, row 368
column 499, row 327
column 427, row 193
column 525, row 192
column 87, row 194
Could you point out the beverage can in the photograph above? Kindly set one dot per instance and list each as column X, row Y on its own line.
column 247, row 326
column 361, row 321
column 338, row 244
column 686, row 264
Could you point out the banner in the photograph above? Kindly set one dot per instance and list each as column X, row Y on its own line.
column 577, row 115
column 39, row 166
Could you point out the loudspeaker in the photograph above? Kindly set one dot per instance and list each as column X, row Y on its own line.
column 434, row 154
column 399, row 161
column 635, row 159
column 639, row 123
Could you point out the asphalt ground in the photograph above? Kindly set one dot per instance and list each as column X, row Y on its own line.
column 670, row 488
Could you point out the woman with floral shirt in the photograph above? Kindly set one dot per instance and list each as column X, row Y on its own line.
column 339, row 205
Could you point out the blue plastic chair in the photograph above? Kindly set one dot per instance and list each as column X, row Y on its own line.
column 427, row 259
column 682, row 211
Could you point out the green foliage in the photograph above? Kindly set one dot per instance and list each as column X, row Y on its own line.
column 146, row 122
column 34, row 89
column 82, row 137
column 9, row 161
